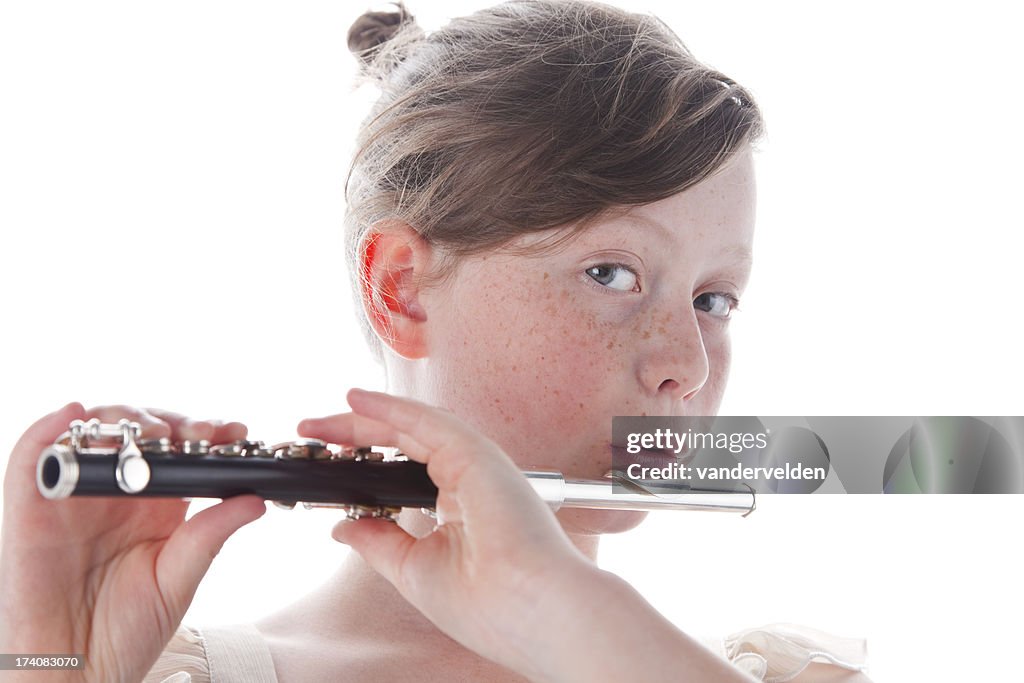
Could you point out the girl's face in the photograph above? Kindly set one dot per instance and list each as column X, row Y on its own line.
column 540, row 352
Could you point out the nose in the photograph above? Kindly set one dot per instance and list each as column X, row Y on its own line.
column 675, row 366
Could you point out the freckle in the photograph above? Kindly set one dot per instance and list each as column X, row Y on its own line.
column 545, row 276
column 661, row 330
column 581, row 405
column 610, row 344
column 647, row 334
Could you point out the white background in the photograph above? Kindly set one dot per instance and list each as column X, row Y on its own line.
column 171, row 205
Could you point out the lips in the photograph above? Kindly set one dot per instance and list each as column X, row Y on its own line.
column 622, row 458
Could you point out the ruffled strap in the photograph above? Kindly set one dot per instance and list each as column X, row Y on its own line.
column 778, row 652
column 180, row 677
column 235, row 653
column 182, row 661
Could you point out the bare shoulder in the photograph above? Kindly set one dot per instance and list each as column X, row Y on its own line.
column 826, row 673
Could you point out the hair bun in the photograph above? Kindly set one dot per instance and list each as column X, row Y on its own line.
column 373, row 29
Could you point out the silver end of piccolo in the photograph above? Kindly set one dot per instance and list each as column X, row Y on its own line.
column 57, row 472
column 616, row 492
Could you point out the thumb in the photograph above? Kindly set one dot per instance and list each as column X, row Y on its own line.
column 188, row 553
column 383, row 544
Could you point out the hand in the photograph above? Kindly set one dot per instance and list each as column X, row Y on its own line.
column 490, row 575
column 499, row 575
column 108, row 578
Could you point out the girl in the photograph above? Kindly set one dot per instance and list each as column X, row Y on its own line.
column 549, row 221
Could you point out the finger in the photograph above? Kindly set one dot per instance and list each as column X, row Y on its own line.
column 430, row 425
column 190, row 550
column 467, row 468
column 152, row 427
column 384, row 545
column 439, row 431
column 355, row 429
column 358, row 430
column 169, row 416
column 232, row 431
column 195, row 430
column 181, row 425
column 185, row 428
column 471, row 471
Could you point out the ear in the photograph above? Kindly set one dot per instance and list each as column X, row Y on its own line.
column 391, row 254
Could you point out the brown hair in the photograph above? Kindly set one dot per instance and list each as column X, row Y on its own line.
column 526, row 116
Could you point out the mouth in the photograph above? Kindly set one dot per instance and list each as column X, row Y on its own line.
column 647, row 457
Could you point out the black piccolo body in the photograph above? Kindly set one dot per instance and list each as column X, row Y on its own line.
column 399, row 483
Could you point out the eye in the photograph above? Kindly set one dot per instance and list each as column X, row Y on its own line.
column 615, row 276
column 719, row 304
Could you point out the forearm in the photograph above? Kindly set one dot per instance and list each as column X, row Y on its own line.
column 605, row 630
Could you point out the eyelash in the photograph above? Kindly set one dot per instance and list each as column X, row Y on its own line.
column 734, row 302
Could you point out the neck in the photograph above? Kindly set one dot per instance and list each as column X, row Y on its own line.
column 358, row 605
column 357, row 592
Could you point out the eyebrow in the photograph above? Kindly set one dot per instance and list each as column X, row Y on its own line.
column 739, row 254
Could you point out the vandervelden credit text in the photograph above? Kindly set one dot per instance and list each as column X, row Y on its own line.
column 738, row 472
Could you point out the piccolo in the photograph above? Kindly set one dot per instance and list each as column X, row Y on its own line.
column 101, row 459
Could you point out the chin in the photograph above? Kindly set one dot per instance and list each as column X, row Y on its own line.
column 590, row 522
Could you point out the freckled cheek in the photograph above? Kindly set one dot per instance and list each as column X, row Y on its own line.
column 540, row 374
column 559, row 365
column 545, row 383
column 548, row 411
